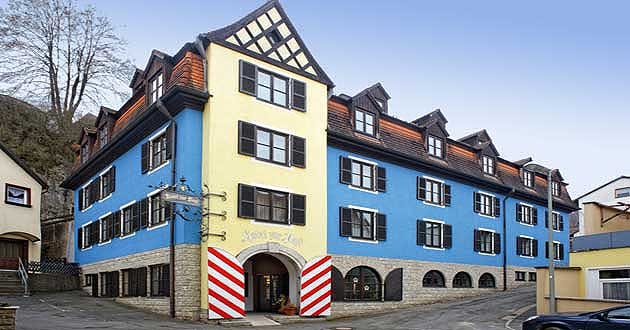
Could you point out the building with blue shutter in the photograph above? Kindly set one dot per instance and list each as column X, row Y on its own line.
column 128, row 240
column 415, row 216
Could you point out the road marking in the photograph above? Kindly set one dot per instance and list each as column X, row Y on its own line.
column 516, row 314
column 53, row 306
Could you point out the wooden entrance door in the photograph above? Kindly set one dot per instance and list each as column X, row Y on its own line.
column 10, row 251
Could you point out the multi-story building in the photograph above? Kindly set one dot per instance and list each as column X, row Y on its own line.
column 415, row 216
column 612, row 194
column 128, row 244
column 289, row 176
column 20, row 206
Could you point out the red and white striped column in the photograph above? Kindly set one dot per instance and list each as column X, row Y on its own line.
column 315, row 294
column 226, row 286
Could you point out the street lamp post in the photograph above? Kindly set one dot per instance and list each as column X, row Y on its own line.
column 550, row 246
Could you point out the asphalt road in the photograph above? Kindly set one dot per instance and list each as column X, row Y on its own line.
column 72, row 310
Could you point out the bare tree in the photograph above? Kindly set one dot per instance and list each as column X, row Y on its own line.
column 61, row 56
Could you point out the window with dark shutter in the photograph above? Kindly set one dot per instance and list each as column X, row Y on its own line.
column 170, row 130
column 476, row 241
column 345, row 221
column 298, row 209
column 381, row 227
column 145, row 157
column 80, row 238
column 447, row 195
column 477, row 202
column 447, row 236
column 394, row 285
column 497, row 207
column 246, row 202
column 345, row 175
column 246, row 139
column 298, row 95
column 81, row 205
column 519, row 246
column 421, row 188
column 534, row 216
column 560, row 223
column 247, row 81
column 381, row 179
column 117, row 223
column 535, row 248
column 144, row 213
column 298, row 151
column 112, row 179
column 421, row 232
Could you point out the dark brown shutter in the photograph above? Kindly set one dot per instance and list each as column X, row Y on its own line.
column 168, row 210
column 298, row 95
column 80, row 238
column 145, row 157
column 394, row 285
column 546, row 219
column 497, row 243
column 497, row 206
column 381, row 227
column 110, row 227
column 246, row 139
column 448, row 236
column 561, row 252
column 547, row 249
column 298, row 209
column 421, row 232
column 476, row 203
column 381, row 179
column 421, row 187
column 298, row 151
column 337, row 284
column 447, row 195
column 112, row 179
column 247, row 81
column 116, row 216
column 81, row 206
column 535, row 248
column 135, row 217
column 345, row 221
column 246, row 201
column 345, row 174
column 476, row 241
column 534, row 216
column 519, row 250
column 170, row 130
column 144, row 213
column 94, row 231
column 519, row 213
column 560, row 223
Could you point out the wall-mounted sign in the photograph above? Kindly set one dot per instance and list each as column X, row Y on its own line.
column 266, row 236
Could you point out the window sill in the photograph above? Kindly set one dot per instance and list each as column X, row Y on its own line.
column 86, row 248
column 526, row 224
column 270, row 162
column 105, row 243
column 434, row 204
column 487, row 254
column 159, row 167
column 362, row 240
column 433, row 248
column 128, row 235
column 527, row 257
column 87, row 208
column 487, row 216
column 160, row 225
column 105, row 198
column 363, row 189
column 270, row 223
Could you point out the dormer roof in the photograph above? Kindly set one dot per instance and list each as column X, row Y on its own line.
column 434, row 118
column 480, row 141
column 104, row 111
column 267, row 34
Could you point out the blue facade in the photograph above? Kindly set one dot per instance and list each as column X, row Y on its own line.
column 132, row 185
column 402, row 208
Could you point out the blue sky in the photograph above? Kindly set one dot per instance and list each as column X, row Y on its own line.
column 547, row 79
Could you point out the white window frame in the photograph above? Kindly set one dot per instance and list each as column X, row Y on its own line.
column 491, row 205
column 432, row 148
column 156, row 87
column 555, row 188
column 528, row 176
column 151, row 139
column 488, row 163
column 122, row 221
column 492, row 232
column 363, row 121
column 531, row 247
column 556, row 256
column 530, row 211
column 623, row 190
column 438, row 222
column 86, row 236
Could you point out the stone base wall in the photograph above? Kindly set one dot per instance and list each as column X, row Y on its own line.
column 7, row 318
column 52, row 282
column 511, row 276
column 413, row 291
column 186, row 277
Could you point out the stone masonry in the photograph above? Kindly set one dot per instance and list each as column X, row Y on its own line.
column 413, row 291
column 187, row 283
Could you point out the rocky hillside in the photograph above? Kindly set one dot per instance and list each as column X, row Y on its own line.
column 30, row 133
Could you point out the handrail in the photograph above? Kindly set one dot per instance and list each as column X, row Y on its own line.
column 23, row 276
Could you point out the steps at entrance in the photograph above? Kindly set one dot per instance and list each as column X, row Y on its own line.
column 11, row 284
column 235, row 323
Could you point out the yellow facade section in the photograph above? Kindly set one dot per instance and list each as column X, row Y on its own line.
column 224, row 168
column 598, row 258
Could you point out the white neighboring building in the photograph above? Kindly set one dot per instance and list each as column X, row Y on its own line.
column 610, row 193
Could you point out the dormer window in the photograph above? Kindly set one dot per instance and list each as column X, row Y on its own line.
column 156, row 85
column 487, row 164
column 85, row 153
column 103, row 136
column 528, row 178
column 364, row 122
column 555, row 188
column 435, row 146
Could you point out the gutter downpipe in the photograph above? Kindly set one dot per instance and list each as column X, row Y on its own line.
column 171, row 245
column 505, row 238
